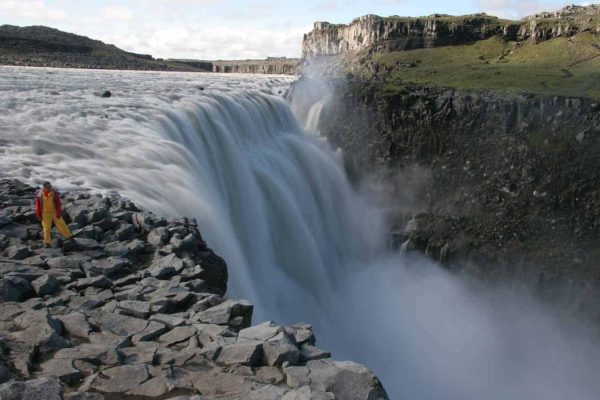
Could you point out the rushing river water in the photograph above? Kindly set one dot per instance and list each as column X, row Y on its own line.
column 300, row 244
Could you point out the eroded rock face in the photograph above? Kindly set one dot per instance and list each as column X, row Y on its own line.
column 80, row 322
column 405, row 33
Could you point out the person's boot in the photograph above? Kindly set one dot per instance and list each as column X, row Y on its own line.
column 47, row 245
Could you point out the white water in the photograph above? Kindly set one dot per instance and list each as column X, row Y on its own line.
column 299, row 243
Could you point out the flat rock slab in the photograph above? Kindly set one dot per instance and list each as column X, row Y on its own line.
column 93, row 353
column 35, row 389
column 120, row 379
column 122, row 325
column 135, row 308
column 244, row 353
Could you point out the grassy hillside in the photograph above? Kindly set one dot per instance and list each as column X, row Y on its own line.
column 559, row 66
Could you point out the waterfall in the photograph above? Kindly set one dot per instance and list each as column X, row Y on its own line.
column 299, row 242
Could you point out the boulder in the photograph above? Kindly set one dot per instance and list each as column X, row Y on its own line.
column 75, row 324
column 346, row 380
column 135, row 308
column 18, row 252
column 14, row 288
column 309, row 352
column 243, row 353
column 45, row 285
column 34, row 389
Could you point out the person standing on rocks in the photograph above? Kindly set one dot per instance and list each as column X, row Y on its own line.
column 48, row 209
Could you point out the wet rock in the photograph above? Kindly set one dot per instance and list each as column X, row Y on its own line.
column 75, row 324
column 62, row 369
column 308, row 393
column 158, row 236
column 93, row 353
column 280, row 349
column 347, row 380
column 226, row 312
column 262, row 332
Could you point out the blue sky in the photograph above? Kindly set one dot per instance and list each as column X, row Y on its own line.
column 212, row 29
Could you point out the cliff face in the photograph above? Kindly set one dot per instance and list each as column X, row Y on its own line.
column 133, row 307
column 376, row 33
column 395, row 33
column 503, row 186
column 272, row 65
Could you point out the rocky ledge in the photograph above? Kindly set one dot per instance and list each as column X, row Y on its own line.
column 133, row 308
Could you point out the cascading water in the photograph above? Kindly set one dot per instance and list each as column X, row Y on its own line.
column 276, row 204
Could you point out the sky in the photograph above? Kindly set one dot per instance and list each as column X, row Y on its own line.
column 236, row 29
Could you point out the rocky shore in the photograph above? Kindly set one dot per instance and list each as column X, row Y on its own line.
column 133, row 308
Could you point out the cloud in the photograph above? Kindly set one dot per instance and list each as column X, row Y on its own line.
column 117, row 12
column 516, row 9
column 30, row 11
column 209, row 42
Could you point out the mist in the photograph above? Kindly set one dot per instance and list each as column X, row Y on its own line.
column 429, row 333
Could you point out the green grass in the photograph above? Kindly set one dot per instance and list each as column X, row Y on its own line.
column 559, row 66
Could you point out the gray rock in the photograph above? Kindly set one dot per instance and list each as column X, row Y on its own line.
column 18, row 252
column 81, row 244
column 309, row 352
column 119, row 249
column 266, row 392
column 75, row 324
column 346, row 380
column 108, row 266
column 152, row 331
column 34, row 389
column 45, row 285
column 74, row 261
column 226, row 311
column 169, row 320
column 108, row 339
column 308, row 393
column 156, row 387
column 302, row 333
column 158, row 236
column 165, row 267
column 263, row 332
column 135, row 308
column 14, row 288
column 177, row 335
column 140, row 354
column 122, row 325
column 120, row 379
column 280, row 349
column 100, row 281
column 62, row 369
column 93, row 353
column 244, row 353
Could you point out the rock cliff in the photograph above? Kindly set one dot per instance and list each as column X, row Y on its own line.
column 134, row 308
column 374, row 33
column 271, row 65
